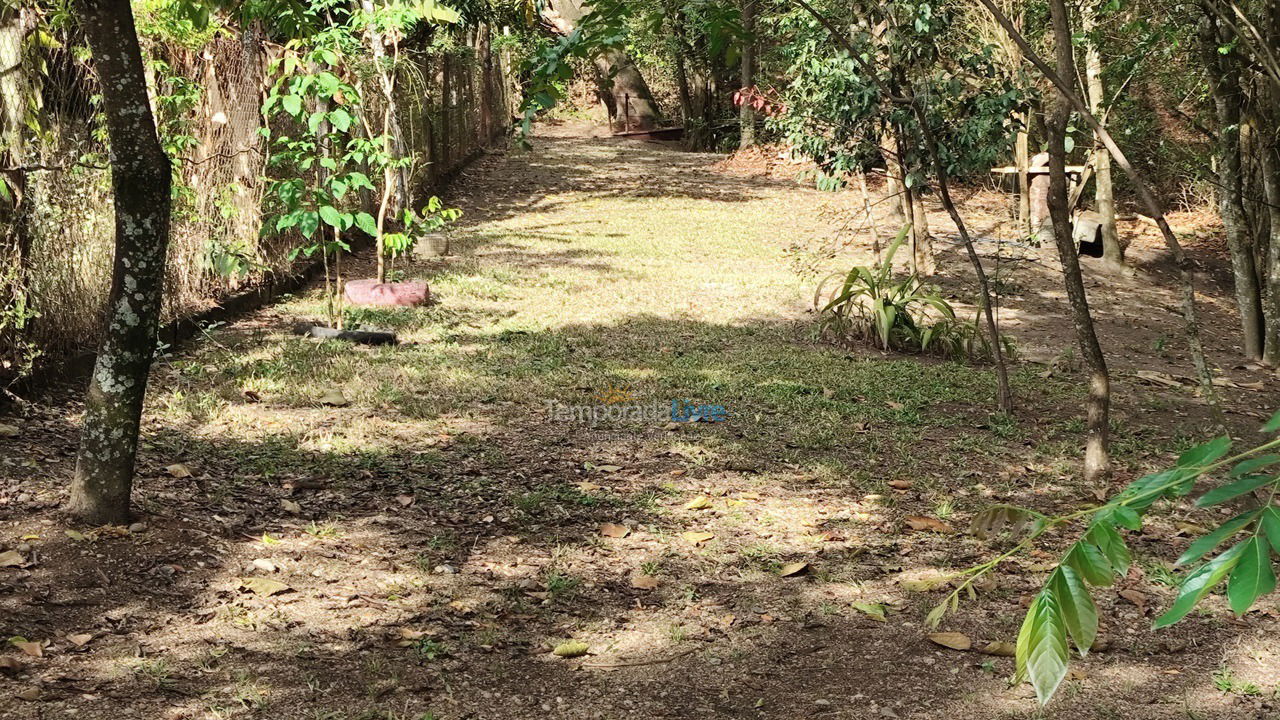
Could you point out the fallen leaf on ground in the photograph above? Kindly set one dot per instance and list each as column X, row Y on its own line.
column 614, row 530
column 178, row 470
column 571, row 649
column 928, row 524
column 10, row 664
column 640, row 581
column 999, row 648
column 34, row 649
column 76, row 535
column 404, row 500
column 264, row 565
column 701, row 502
column 80, row 640
column 922, row 581
column 609, row 468
column 696, row 537
column 291, row 507
column 953, row 640
column 8, row 431
column 901, row 484
column 334, row 398
column 1137, row 598
column 30, row 694
column 794, row 568
column 587, row 486
column 873, row 610
column 11, row 558
column 264, row 587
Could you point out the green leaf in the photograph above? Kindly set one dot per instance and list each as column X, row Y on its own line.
column 365, row 222
column 292, row 104
column 1199, row 583
column 1247, row 466
column 1203, row 455
column 1271, row 526
column 1089, row 562
column 1112, row 546
column 1078, row 610
column 1042, row 646
column 1211, row 540
column 341, row 119
column 308, row 223
column 331, row 216
column 1253, row 576
column 1246, row 484
column 1273, row 424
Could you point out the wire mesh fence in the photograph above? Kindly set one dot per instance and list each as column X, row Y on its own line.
column 57, row 226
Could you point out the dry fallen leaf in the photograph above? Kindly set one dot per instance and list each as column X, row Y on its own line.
column 901, row 484
column 702, row 502
column 571, row 649
column 334, row 398
column 587, row 486
column 291, row 507
column 696, row 537
column 11, row 558
column 999, row 648
column 953, row 640
column 10, row 664
column 178, row 470
column 873, row 610
column 264, row 587
column 922, row 580
column 404, row 500
column 8, row 431
column 34, row 649
column 928, row 524
column 30, row 694
column 264, row 565
column 80, row 640
column 1137, row 598
column 794, row 568
column 614, row 530
column 640, row 581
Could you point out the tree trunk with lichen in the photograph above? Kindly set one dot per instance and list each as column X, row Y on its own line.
column 140, row 178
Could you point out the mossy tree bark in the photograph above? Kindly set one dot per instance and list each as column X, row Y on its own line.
column 140, row 178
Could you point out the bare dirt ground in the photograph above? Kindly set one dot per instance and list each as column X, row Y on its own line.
column 419, row 545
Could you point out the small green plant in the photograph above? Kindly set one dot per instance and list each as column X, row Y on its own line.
column 906, row 315
column 414, row 224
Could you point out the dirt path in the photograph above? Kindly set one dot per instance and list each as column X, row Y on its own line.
column 417, row 550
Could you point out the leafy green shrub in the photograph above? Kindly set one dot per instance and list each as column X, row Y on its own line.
column 906, row 315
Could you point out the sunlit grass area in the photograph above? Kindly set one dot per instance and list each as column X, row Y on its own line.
column 437, row 531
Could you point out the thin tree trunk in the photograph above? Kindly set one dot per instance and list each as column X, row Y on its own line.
column 1097, row 459
column 1150, row 203
column 1228, row 101
column 1022, row 162
column 140, row 178
column 1104, row 194
column 746, row 113
column 1004, row 395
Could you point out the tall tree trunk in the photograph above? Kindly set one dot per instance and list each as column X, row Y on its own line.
column 1104, row 194
column 1269, row 117
column 1228, row 102
column 631, row 96
column 746, row 113
column 1097, row 458
column 140, row 179
column 1187, row 293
